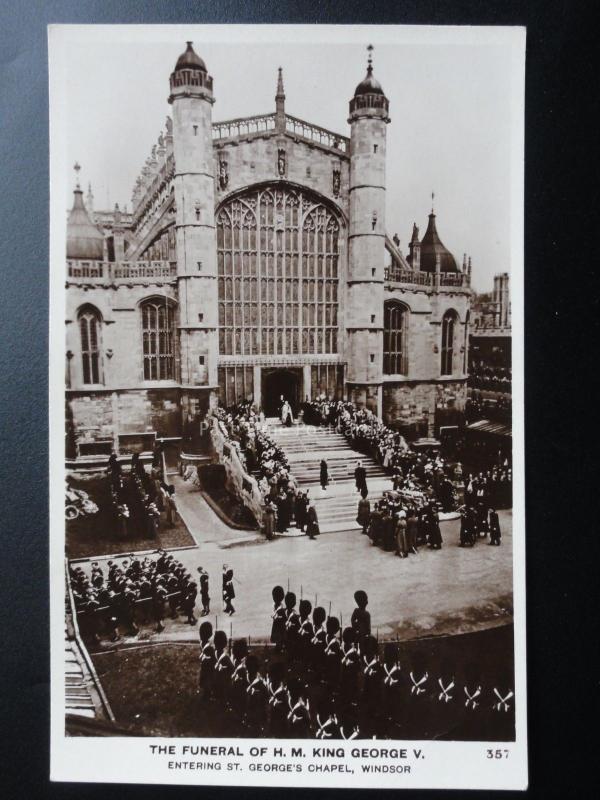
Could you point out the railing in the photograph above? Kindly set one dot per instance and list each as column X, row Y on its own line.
column 418, row 278
column 244, row 126
column 110, row 271
column 316, row 134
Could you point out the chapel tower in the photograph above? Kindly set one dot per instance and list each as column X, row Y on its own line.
column 366, row 242
column 193, row 180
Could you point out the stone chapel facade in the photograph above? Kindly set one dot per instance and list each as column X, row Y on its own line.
column 256, row 262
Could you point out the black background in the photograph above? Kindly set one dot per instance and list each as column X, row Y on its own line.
column 562, row 314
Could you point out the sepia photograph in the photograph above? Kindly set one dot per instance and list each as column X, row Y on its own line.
column 285, row 268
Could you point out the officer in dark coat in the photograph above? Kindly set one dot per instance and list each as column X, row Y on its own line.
column 204, row 591
column 228, row 592
column 324, row 474
column 360, row 478
column 300, row 510
column 190, row 592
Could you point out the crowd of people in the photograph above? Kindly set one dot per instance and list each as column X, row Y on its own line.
column 490, row 378
column 498, row 409
column 321, row 680
column 137, row 590
column 139, row 497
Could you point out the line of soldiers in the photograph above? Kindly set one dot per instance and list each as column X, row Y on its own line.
column 135, row 589
column 322, row 681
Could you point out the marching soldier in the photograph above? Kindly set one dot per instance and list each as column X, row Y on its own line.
column 326, row 720
column 371, row 693
column 173, row 593
column 159, row 597
column 392, row 686
column 418, row 699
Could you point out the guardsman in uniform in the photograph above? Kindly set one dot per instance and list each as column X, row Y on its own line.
column 223, row 667
column 319, row 640
column 326, row 720
column 333, row 652
column 298, row 717
column 292, row 624
column 361, row 619
column 278, row 707
column 371, row 693
column 350, row 666
column 96, row 570
column 305, row 631
column 279, row 617
column 204, row 592
column 129, row 598
column 161, row 561
column 503, row 708
column 207, row 660
column 418, row 699
column 239, row 683
column 446, row 706
column 348, row 723
column 392, row 687
column 228, row 592
column 494, row 526
column 472, row 701
column 256, row 699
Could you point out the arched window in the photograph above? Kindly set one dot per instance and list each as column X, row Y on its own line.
column 395, row 319
column 277, row 251
column 89, row 329
column 158, row 331
column 448, row 327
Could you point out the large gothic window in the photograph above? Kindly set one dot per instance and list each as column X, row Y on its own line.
column 158, row 331
column 448, row 330
column 89, row 329
column 278, row 274
column 395, row 317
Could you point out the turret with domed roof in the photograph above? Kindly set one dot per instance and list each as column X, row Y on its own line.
column 366, row 241
column 85, row 240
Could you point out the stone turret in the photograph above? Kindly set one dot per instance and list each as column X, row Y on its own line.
column 366, row 241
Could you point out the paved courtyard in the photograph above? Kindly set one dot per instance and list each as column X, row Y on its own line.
column 453, row 590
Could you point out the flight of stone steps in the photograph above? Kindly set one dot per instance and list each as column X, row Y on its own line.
column 304, row 447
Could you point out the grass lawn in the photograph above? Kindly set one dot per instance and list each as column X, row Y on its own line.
column 153, row 690
column 98, row 535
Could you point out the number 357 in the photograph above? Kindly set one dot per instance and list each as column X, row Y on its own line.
column 497, row 753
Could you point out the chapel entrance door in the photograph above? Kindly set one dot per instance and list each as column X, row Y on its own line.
column 278, row 382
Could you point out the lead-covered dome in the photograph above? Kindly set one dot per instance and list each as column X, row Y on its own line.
column 369, row 84
column 190, row 60
column 432, row 247
column 85, row 241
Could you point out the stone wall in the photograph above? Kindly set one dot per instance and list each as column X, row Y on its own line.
column 238, row 481
column 413, row 401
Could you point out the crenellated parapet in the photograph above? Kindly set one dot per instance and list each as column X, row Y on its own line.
column 111, row 273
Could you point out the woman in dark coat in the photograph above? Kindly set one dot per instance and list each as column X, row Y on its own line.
column 324, row 476
column 312, row 525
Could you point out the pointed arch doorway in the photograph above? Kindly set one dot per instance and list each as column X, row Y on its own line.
column 286, row 381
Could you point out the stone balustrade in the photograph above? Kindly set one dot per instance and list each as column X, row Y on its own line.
column 409, row 277
column 244, row 126
column 120, row 271
column 315, row 134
